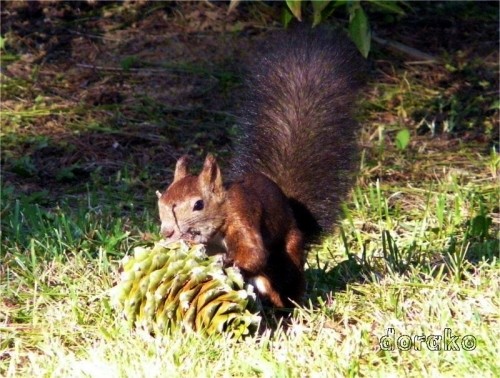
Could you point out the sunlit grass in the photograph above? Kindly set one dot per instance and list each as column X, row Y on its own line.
column 416, row 261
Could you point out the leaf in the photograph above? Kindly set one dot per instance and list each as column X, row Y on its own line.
column 359, row 29
column 129, row 62
column 24, row 166
column 495, row 105
column 2, row 43
column 402, row 139
column 388, row 6
column 286, row 17
column 295, row 7
column 336, row 4
column 318, row 7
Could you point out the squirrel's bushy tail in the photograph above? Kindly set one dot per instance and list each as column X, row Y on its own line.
column 296, row 122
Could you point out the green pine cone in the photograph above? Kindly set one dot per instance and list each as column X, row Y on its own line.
column 175, row 285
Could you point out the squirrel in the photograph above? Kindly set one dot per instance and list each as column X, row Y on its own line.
column 294, row 162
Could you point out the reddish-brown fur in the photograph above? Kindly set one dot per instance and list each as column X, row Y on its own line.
column 293, row 164
column 263, row 239
column 255, row 221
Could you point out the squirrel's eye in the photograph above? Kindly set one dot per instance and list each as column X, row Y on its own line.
column 198, row 205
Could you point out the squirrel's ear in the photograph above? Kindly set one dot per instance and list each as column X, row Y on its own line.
column 210, row 177
column 181, row 168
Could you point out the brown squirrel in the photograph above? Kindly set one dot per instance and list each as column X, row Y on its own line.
column 292, row 165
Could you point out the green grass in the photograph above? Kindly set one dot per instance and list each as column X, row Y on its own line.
column 412, row 259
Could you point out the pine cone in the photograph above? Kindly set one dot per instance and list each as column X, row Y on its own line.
column 177, row 285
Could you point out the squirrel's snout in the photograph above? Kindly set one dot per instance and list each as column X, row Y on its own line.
column 166, row 232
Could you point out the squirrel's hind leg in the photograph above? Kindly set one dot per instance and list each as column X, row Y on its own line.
column 294, row 246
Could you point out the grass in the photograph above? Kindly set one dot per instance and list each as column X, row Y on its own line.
column 417, row 250
column 417, row 270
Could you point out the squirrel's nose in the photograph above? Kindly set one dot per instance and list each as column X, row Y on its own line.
column 166, row 232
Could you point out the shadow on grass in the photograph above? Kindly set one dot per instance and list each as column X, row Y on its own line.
column 123, row 117
column 337, row 278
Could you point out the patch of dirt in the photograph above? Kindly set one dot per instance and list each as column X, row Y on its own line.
column 103, row 85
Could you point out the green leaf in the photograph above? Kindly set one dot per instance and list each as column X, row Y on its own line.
column 295, row 7
column 318, row 7
column 129, row 62
column 402, row 139
column 495, row 105
column 66, row 174
column 286, row 17
column 388, row 6
column 2, row 43
column 24, row 166
column 336, row 4
column 359, row 29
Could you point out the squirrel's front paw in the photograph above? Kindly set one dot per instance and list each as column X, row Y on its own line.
column 227, row 260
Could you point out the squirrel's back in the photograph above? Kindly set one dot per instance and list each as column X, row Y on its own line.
column 297, row 124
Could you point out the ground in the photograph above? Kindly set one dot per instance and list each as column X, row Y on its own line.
column 98, row 100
